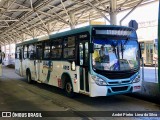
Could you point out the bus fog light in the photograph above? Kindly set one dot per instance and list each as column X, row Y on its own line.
column 137, row 87
column 98, row 80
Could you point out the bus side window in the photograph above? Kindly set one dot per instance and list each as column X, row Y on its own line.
column 31, row 51
column 86, row 54
column 56, row 49
column 18, row 54
column 69, row 47
column 81, row 53
column 25, row 51
column 47, row 46
column 39, row 51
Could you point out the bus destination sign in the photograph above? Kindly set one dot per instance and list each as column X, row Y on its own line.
column 114, row 32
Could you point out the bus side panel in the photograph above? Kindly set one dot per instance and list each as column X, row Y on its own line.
column 18, row 67
column 39, row 71
column 52, row 75
column 24, row 66
column 56, row 72
column 45, row 71
column 74, row 75
column 31, row 66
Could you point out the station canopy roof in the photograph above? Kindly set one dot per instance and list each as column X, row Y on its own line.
column 24, row 19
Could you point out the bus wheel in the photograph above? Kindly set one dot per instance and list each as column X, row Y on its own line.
column 69, row 89
column 29, row 80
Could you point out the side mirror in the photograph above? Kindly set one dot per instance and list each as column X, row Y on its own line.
column 140, row 52
column 73, row 66
column 91, row 48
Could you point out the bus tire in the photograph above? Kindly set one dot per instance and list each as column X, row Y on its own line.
column 68, row 89
column 29, row 80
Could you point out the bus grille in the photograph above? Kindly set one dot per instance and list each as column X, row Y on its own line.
column 117, row 82
column 116, row 89
column 116, row 75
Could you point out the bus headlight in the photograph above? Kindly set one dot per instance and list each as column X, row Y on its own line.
column 137, row 79
column 98, row 80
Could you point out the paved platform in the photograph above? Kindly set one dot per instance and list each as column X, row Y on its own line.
column 150, row 74
column 17, row 95
column 150, row 86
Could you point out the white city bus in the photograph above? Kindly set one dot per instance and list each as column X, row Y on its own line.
column 71, row 60
column 149, row 50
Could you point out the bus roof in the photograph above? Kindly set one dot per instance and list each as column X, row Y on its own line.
column 27, row 42
column 73, row 31
column 84, row 29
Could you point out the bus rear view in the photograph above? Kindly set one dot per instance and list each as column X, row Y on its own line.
column 115, row 62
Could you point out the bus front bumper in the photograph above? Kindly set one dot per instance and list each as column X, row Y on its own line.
column 97, row 90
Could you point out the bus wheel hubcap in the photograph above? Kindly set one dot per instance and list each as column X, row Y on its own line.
column 68, row 87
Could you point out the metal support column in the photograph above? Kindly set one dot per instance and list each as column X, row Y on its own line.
column 159, row 46
column 5, row 51
column 9, row 48
column 72, row 20
column 113, row 12
column 9, row 55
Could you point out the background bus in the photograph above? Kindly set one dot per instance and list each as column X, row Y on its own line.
column 149, row 50
column 72, row 61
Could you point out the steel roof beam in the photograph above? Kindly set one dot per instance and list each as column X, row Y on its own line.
column 44, row 25
column 121, row 5
column 31, row 12
column 52, row 13
column 11, row 38
column 3, row 26
column 52, row 16
column 130, row 12
column 8, row 20
column 71, row 16
column 4, row 39
column 20, row 5
column 19, row 10
column 104, row 16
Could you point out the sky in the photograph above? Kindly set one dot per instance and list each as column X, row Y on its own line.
column 147, row 14
column 143, row 13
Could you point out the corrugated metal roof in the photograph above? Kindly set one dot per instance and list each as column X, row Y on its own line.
column 23, row 19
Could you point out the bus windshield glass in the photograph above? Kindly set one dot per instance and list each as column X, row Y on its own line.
column 115, row 55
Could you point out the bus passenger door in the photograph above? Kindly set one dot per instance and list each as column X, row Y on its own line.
column 84, row 67
column 19, row 61
column 38, row 61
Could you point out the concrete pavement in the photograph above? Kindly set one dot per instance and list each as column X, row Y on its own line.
column 17, row 95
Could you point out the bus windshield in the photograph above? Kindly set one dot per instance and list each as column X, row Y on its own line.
column 115, row 55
